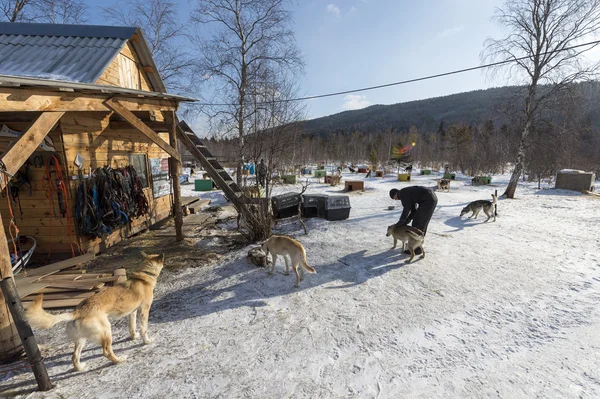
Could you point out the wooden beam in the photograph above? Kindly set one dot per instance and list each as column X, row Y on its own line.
column 64, row 264
column 137, row 123
column 22, row 100
column 156, row 126
column 28, row 142
column 148, row 69
column 175, row 172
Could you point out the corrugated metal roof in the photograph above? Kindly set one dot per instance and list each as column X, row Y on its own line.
column 75, row 53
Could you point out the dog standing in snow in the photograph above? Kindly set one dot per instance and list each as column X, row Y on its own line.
column 90, row 319
column 476, row 206
column 285, row 246
column 407, row 234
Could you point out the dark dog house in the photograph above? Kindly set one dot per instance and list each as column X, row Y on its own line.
column 313, row 205
column 285, row 205
column 337, row 207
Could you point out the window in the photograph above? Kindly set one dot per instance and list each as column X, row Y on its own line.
column 140, row 164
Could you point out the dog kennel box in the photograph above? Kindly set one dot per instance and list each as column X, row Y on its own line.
column 320, row 173
column 290, row 179
column 576, row 180
column 425, row 172
column 203, row 185
column 337, row 207
column 481, row 180
column 404, row 176
column 306, row 171
column 285, row 205
column 362, row 170
column 379, row 173
column 450, row 176
column 313, row 205
column 354, row 185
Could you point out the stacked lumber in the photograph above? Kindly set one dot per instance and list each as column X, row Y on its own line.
column 63, row 287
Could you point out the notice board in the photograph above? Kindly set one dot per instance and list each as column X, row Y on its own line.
column 159, row 169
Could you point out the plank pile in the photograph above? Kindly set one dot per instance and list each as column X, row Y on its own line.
column 63, row 287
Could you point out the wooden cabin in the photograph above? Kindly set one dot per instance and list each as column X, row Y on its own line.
column 93, row 97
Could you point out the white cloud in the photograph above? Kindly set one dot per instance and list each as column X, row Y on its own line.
column 355, row 101
column 333, row 9
column 450, row 32
column 353, row 9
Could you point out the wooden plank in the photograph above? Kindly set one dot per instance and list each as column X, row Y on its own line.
column 61, row 295
column 116, row 106
column 28, row 142
column 79, row 281
column 21, row 100
column 58, row 303
column 28, row 289
column 45, row 270
column 73, row 285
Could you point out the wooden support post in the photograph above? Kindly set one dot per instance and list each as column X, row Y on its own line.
column 175, row 166
column 11, row 298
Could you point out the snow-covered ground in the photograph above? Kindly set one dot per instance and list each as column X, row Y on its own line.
column 509, row 309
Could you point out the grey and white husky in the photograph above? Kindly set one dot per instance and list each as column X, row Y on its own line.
column 476, row 206
column 413, row 236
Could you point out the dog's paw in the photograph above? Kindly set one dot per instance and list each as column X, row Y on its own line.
column 120, row 359
column 287, row 273
column 80, row 367
column 135, row 336
column 147, row 340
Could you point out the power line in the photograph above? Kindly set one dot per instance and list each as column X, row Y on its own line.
column 439, row 75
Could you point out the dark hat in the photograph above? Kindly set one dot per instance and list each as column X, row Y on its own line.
column 393, row 192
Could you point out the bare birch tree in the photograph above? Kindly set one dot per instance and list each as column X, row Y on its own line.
column 45, row 11
column 164, row 34
column 236, row 41
column 546, row 32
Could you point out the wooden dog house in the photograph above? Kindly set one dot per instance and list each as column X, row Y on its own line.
column 87, row 92
column 354, row 185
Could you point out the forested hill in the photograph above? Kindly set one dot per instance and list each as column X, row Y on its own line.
column 467, row 108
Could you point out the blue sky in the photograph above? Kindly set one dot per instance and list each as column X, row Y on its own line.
column 349, row 44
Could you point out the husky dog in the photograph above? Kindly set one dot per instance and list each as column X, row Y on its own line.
column 407, row 234
column 476, row 206
column 408, row 169
column 281, row 245
column 443, row 184
column 90, row 319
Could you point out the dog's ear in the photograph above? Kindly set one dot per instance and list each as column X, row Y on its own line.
column 161, row 258
column 144, row 255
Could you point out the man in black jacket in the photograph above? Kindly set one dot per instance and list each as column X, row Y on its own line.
column 418, row 203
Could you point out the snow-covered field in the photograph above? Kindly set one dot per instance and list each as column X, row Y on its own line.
column 509, row 309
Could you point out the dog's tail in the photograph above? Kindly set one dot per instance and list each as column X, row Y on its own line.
column 304, row 264
column 494, row 199
column 39, row 318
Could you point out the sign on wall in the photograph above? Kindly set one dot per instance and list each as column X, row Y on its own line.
column 159, row 169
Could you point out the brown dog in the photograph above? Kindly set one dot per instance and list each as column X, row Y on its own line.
column 90, row 319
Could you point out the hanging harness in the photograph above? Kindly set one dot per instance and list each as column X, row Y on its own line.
column 110, row 199
column 21, row 178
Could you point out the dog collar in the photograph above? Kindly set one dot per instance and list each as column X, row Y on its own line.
column 149, row 273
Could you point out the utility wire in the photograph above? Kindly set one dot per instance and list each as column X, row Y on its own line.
column 339, row 93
